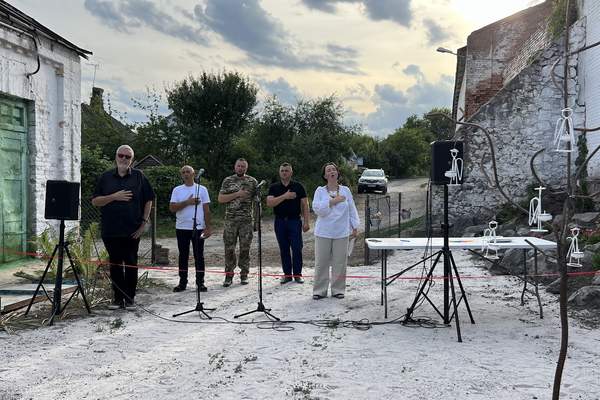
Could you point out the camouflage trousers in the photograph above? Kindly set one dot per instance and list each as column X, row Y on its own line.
column 234, row 230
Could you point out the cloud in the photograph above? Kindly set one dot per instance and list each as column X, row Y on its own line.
column 435, row 33
column 128, row 14
column 250, row 28
column 394, row 106
column 413, row 70
column 323, row 5
column 341, row 51
column 286, row 93
column 109, row 13
column 386, row 93
column 397, row 11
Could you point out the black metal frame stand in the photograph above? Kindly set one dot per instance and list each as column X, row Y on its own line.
column 199, row 305
column 261, row 307
column 450, row 273
column 62, row 247
column 525, row 278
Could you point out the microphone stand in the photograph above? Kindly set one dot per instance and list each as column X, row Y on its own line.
column 261, row 307
column 199, row 305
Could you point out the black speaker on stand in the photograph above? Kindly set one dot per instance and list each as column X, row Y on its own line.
column 62, row 203
column 441, row 172
column 441, row 160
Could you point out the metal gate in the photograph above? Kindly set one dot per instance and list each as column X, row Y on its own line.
column 13, row 179
column 386, row 214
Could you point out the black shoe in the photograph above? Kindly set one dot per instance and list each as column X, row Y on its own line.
column 338, row 295
column 244, row 280
column 203, row 288
column 227, row 282
column 318, row 297
column 285, row 279
column 116, row 305
column 130, row 305
column 299, row 279
column 179, row 288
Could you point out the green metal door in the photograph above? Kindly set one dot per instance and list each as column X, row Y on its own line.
column 13, row 171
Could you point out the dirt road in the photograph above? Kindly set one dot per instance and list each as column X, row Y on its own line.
column 413, row 194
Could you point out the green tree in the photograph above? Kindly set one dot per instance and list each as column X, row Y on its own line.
column 307, row 135
column 100, row 129
column 407, row 151
column 159, row 135
column 370, row 149
column 441, row 128
column 211, row 111
column 93, row 164
column 163, row 179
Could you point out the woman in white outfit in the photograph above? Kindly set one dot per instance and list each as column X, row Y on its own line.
column 337, row 220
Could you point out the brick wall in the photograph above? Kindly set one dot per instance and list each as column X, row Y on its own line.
column 539, row 40
column 491, row 50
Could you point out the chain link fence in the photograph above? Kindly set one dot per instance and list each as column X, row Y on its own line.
column 147, row 249
column 388, row 215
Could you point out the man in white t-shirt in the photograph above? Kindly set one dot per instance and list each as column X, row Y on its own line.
column 189, row 201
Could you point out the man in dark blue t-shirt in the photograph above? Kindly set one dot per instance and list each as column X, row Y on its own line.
column 292, row 217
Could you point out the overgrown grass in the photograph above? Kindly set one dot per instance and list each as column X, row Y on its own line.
column 392, row 230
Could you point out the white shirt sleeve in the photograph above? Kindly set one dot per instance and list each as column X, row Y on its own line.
column 320, row 204
column 174, row 196
column 354, row 219
column 204, row 197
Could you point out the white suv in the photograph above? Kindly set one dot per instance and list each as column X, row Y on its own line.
column 372, row 179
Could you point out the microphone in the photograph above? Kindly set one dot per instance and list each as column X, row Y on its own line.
column 200, row 173
column 261, row 184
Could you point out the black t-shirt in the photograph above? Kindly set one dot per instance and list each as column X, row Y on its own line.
column 122, row 218
column 288, row 208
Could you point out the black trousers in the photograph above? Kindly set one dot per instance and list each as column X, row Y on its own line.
column 123, row 257
column 184, row 238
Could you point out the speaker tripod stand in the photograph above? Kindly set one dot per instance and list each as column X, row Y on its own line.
column 450, row 274
column 62, row 247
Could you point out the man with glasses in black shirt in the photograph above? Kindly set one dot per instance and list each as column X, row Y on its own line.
column 125, row 197
column 289, row 200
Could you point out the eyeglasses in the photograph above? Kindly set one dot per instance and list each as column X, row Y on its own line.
column 125, row 156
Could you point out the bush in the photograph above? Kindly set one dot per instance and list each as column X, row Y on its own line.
column 163, row 179
column 596, row 262
column 93, row 164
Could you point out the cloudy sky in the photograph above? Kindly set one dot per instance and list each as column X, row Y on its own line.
column 377, row 56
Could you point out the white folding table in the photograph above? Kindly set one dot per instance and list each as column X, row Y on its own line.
column 472, row 244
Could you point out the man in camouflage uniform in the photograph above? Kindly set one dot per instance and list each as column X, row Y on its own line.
column 237, row 192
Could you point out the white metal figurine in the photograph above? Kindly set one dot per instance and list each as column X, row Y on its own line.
column 456, row 169
column 574, row 254
column 564, row 137
column 490, row 243
column 536, row 213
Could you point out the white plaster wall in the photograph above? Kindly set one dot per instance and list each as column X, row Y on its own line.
column 590, row 60
column 54, row 117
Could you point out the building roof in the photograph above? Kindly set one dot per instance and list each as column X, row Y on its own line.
column 17, row 19
column 147, row 162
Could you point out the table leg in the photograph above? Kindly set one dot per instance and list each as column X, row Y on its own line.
column 535, row 282
column 524, row 277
